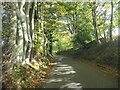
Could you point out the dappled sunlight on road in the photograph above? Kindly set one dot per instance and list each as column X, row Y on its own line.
column 68, row 73
column 55, row 80
column 71, row 85
column 63, row 70
column 61, row 76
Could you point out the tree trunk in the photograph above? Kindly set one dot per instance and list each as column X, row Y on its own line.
column 32, row 13
column 94, row 21
column 44, row 41
column 50, row 44
column 19, row 36
column 25, row 19
column 111, row 20
column 29, row 42
column 24, row 28
column 104, row 26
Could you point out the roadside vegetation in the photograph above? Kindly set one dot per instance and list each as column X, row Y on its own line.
column 105, row 56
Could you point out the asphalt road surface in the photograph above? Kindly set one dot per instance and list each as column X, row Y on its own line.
column 69, row 73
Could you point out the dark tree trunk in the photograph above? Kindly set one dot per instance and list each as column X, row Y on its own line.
column 50, row 45
column 111, row 20
column 94, row 21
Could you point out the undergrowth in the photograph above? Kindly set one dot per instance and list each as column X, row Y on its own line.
column 29, row 75
column 105, row 54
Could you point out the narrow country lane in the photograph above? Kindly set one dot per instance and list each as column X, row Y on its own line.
column 68, row 73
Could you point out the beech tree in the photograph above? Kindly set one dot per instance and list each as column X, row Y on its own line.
column 21, row 31
column 24, row 29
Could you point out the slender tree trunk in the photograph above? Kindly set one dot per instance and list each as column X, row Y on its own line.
column 19, row 36
column 29, row 42
column 44, row 41
column 50, row 45
column 104, row 35
column 14, row 36
column 32, row 24
column 104, row 26
column 111, row 20
column 94, row 21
